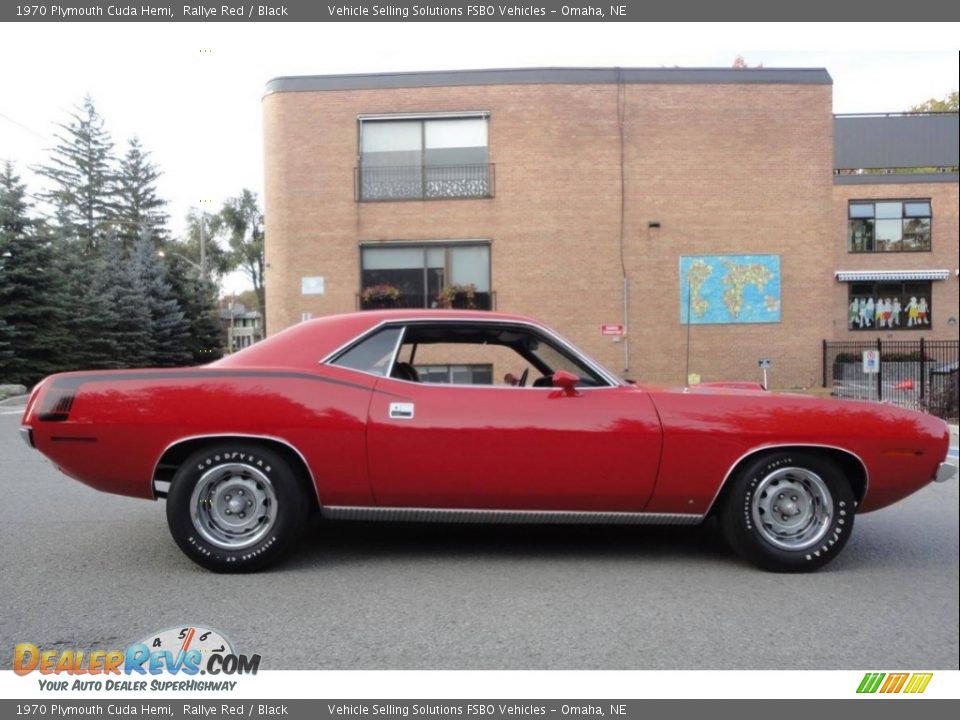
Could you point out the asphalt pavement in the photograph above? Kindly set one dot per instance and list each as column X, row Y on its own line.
column 82, row 569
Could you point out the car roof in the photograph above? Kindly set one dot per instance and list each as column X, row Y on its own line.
column 304, row 344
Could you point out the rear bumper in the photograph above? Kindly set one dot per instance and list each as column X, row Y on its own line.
column 945, row 472
column 27, row 434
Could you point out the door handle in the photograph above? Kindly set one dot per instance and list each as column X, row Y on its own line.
column 401, row 411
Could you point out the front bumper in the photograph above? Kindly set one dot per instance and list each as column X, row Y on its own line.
column 946, row 471
column 27, row 434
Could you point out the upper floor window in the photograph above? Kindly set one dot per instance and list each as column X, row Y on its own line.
column 889, row 226
column 424, row 158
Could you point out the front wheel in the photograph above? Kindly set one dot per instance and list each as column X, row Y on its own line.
column 789, row 512
column 235, row 507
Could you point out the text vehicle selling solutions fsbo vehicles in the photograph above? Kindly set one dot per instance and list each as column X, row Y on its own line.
column 402, row 415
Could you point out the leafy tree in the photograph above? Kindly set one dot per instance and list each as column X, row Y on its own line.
column 81, row 169
column 240, row 220
column 249, row 299
column 138, row 206
column 949, row 103
column 31, row 290
column 217, row 259
column 739, row 63
column 169, row 327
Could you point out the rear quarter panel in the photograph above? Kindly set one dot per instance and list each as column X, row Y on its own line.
column 121, row 422
column 706, row 433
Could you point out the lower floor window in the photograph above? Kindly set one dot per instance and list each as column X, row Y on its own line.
column 426, row 276
column 889, row 306
column 456, row 374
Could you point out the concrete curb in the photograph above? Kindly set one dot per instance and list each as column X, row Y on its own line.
column 14, row 401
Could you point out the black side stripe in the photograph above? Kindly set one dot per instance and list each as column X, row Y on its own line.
column 73, row 382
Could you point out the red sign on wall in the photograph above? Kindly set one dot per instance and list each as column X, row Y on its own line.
column 615, row 330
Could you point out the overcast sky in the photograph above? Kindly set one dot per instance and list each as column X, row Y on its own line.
column 191, row 92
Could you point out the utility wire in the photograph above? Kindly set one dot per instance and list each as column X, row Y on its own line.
column 24, row 127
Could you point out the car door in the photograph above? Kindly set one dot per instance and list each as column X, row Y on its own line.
column 512, row 448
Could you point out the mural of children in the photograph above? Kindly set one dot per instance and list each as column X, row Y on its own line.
column 922, row 312
column 865, row 313
column 878, row 313
column 896, row 311
column 913, row 312
column 854, row 311
column 887, row 313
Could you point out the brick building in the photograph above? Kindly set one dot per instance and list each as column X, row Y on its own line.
column 704, row 210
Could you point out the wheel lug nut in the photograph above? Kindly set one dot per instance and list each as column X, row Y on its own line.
column 227, row 497
column 229, row 513
column 239, row 492
column 243, row 514
column 780, row 496
column 794, row 498
column 249, row 503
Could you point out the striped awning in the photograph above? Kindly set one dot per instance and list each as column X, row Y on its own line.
column 874, row 275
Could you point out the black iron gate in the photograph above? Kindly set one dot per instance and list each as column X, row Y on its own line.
column 919, row 374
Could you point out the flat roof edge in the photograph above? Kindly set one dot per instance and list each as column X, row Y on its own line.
column 896, row 178
column 550, row 76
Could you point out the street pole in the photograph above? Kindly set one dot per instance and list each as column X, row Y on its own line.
column 203, row 248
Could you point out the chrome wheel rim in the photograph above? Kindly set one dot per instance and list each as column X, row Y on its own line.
column 233, row 506
column 792, row 508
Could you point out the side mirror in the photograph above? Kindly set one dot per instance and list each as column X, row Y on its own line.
column 566, row 380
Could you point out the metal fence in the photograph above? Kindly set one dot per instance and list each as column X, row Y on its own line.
column 918, row 374
column 423, row 182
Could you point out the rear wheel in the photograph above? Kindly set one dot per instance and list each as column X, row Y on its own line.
column 789, row 512
column 235, row 507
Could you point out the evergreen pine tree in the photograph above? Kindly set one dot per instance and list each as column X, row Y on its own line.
column 6, row 348
column 31, row 290
column 139, row 208
column 84, row 180
column 91, row 317
column 132, row 320
column 169, row 327
column 198, row 300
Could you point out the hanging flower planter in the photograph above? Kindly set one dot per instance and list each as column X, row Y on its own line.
column 381, row 296
column 461, row 297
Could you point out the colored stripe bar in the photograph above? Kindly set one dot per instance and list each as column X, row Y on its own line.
column 918, row 683
column 894, row 683
column 870, row 682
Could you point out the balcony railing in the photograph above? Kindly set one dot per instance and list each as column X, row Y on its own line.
column 423, row 182
column 481, row 301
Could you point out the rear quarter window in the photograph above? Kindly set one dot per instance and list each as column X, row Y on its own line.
column 371, row 355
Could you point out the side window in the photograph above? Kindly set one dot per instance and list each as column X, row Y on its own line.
column 372, row 355
column 478, row 353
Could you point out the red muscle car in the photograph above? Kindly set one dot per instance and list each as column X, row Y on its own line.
column 459, row 416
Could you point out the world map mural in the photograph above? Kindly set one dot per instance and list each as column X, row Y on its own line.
column 718, row 289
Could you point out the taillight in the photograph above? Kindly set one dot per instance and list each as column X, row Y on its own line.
column 56, row 405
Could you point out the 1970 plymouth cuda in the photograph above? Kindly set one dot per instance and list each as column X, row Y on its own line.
column 459, row 416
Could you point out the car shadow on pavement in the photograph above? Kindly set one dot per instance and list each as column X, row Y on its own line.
column 329, row 542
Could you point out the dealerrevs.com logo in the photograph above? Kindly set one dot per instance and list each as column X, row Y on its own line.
column 168, row 660
column 889, row 683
